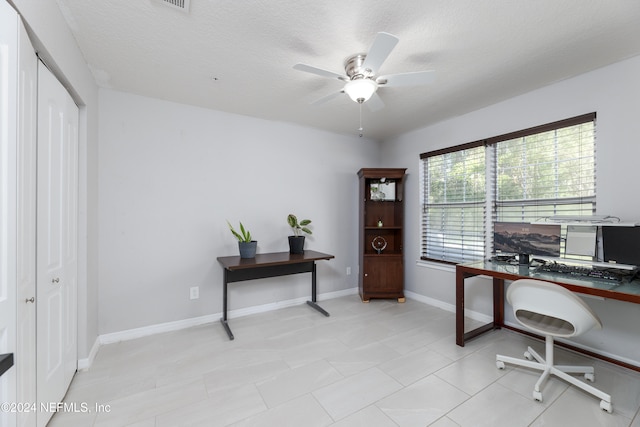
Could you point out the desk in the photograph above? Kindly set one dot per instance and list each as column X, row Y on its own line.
column 500, row 272
column 236, row 269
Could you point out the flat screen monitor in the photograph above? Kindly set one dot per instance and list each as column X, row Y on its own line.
column 527, row 239
column 581, row 240
column 621, row 245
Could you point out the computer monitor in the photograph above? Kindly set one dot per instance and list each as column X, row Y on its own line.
column 527, row 239
column 581, row 240
column 621, row 245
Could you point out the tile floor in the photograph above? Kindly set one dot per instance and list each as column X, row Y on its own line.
column 377, row 364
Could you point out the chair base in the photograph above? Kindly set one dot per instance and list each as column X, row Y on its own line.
column 535, row 361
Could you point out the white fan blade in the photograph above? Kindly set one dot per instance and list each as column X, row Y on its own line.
column 379, row 51
column 374, row 103
column 320, row 72
column 327, row 98
column 407, row 79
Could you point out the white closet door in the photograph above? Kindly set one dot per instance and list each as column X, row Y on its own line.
column 57, row 235
column 26, row 229
column 8, row 160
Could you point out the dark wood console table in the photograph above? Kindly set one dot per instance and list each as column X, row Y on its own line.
column 499, row 272
column 236, row 269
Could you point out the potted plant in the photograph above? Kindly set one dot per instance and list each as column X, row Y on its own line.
column 296, row 242
column 246, row 245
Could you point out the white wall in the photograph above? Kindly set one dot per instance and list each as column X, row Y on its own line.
column 170, row 177
column 614, row 93
column 55, row 44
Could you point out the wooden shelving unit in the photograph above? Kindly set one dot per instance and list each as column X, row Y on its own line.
column 381, row 214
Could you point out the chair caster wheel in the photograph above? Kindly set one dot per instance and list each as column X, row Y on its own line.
column 500, row 364
column 528, row 355
column 589, row 377
column 537, row 395
column 606, row 406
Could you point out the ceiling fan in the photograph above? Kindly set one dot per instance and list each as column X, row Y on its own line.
column 361, row 74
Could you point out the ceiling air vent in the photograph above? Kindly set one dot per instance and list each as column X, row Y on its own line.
column 182, row 5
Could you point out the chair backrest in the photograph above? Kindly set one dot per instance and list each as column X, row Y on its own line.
column 550, row 309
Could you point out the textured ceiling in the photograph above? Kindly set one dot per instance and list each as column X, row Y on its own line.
column 237, row 56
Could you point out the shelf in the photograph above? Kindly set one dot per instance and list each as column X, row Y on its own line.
column 375, row 227
column 389, row 254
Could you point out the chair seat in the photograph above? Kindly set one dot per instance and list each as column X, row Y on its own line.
column 545, row 324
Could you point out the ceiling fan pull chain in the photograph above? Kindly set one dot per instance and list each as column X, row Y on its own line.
column 360, row 129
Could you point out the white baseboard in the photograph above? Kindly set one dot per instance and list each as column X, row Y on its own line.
column 241, row 312
column 85, row 364
column 130, row 334
column 480, row 317
column 160, row 328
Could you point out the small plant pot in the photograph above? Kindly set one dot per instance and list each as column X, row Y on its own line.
column 296, row 244
column 248, row 249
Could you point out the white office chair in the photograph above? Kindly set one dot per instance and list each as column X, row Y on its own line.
column 552, row 311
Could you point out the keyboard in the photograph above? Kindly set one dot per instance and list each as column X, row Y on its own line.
column 582, row 271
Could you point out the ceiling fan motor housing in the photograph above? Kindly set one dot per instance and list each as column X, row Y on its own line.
column 353, row 67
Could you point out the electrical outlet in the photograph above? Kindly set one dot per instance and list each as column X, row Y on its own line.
column 194, row 292
column 348, row 271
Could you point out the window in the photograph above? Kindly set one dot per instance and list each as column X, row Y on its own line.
column 523, row 176
column 454, row 205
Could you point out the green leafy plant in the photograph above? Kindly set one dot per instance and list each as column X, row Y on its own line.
column 243, row 236
column 298, row 227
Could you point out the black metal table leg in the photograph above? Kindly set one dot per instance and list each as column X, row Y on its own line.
column 227, row 328
column 223, row 320
column 6, row 362
column 317, row 307
column 312, row 303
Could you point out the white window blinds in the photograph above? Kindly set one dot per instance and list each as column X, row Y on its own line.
column 523, row 176
column 546, row 174
column 454, row 205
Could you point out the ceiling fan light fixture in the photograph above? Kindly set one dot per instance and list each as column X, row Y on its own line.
column 360, row 90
